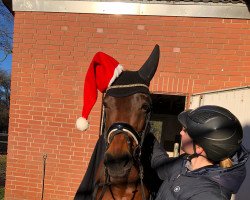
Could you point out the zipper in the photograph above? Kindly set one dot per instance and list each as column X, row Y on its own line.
column 174, row 179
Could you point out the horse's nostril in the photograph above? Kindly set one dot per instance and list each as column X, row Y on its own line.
column 125, row 162
column 108, row 159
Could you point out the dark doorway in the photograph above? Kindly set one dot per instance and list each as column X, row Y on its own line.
column 164, row 120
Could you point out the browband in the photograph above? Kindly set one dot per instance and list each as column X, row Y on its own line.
column 127, row 86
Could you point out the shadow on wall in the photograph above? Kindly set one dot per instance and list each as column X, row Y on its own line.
column 244, row 192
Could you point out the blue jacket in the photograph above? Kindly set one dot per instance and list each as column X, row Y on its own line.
column 207, row 183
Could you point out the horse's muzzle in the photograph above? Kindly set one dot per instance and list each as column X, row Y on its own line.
column 118, row 166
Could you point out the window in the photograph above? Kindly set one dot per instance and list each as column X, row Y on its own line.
column 164, row 121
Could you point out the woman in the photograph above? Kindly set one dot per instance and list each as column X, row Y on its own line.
column 213, row 164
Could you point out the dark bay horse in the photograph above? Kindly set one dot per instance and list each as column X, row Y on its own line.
column 120, row 173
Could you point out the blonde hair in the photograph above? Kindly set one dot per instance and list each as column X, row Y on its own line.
column 226, row 163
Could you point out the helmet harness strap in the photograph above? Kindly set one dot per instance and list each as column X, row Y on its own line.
column 195, row 155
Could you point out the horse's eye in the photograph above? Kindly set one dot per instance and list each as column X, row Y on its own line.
column 146, row 107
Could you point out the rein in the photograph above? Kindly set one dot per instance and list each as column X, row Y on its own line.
column 138, row 137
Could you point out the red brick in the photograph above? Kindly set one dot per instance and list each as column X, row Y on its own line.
column 52, row 52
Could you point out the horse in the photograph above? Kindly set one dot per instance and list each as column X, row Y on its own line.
column 122, row 171
column 127, row 109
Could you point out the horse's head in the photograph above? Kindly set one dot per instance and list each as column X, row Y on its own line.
column 127, row 106
column 126, row 118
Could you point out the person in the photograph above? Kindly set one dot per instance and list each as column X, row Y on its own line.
column 212, row 166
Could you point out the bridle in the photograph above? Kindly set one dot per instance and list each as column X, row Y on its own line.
column 138, row 137
column 129, row 132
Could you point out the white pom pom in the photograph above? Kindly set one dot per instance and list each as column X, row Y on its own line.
column 82, row 124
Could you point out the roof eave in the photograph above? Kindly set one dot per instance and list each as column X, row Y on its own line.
column 211, row 10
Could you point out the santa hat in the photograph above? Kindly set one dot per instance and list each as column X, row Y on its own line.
column 102, row 72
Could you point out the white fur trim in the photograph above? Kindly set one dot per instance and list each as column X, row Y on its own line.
column 118, row 70
column 82, row 124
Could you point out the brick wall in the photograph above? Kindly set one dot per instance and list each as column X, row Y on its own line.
column 51, row 54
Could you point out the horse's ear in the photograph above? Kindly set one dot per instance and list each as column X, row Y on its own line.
column 148, row 70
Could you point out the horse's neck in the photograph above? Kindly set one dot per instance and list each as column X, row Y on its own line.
column 130, row 191
column 125, row 191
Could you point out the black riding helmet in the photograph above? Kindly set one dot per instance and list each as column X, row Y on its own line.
column 215, row 129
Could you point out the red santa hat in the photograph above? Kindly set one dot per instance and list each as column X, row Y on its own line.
column 102, row 72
